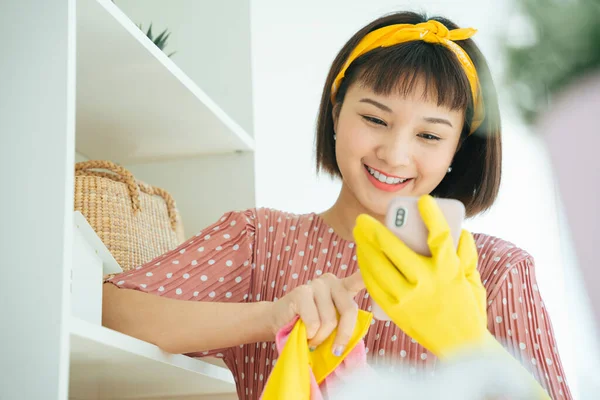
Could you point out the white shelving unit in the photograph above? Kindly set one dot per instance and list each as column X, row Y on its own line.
column 105, row 364
column 108, row 364
column 134, row 104
column 90, row 83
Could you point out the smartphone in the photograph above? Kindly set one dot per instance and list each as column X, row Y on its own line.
column 404, row 220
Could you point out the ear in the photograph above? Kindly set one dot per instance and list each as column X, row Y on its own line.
column 335, row 115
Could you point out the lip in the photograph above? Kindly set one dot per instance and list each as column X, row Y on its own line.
column 386, row 187
column 385, row 173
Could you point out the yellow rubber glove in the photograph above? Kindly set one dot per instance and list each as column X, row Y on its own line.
column 439, row 301
column 290, row 378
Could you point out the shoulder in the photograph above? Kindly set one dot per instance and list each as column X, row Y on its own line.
column 497, row 259
column 277, row 220
column 492, row 249
column 266, row 220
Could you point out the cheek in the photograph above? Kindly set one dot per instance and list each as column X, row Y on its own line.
column 353, row 143
column 432, row 164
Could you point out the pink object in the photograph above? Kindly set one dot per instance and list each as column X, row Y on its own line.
column 263, row 254
column 570, row 129
column 357, row 358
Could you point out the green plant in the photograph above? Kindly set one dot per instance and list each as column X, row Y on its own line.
column 564, row 45
column 161, row 40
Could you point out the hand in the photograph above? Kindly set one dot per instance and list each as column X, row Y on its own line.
column 318, row 305
column 439, row 300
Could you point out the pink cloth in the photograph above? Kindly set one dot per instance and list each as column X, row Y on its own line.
column 263, row 254
column 357, row 358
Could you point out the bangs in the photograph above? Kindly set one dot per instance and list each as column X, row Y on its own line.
column 399, row 69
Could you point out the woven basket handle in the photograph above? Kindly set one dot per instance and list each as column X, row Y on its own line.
column 169, row 201
column 121, row 173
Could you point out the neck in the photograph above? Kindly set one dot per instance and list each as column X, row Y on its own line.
column 342, row 215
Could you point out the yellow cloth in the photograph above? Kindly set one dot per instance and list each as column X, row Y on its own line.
column 439, row 301
column 430, row 32
column 290, row 378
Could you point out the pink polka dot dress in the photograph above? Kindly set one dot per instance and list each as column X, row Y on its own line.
column 262, row 254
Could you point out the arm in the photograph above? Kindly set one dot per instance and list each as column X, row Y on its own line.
column 195, row 295
column 518, row 319
column 184, row 326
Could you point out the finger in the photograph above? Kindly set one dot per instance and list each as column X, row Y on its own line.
column 467, row 252
column 439, row 238
column 479, row 291
column 388, row 300
column 353, row 283
column 370, row 233
column 307, row 310
column 348, row 310
column 326, row 310
column 379, row 274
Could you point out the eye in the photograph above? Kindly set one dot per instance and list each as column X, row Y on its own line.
column 429, row 136
column 374, row 120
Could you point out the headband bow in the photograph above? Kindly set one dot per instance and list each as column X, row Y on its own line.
column 431, row 32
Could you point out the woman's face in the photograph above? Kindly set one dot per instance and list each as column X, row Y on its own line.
column 389, row 146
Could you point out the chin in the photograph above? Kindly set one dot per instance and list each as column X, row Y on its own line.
column 379, row 207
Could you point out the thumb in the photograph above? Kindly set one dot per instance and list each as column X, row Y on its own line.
column 467, row 252
column 354, row 283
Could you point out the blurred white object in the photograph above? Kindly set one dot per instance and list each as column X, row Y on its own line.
column 467, row 377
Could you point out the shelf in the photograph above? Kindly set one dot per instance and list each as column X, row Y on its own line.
column 109, row 364
column 109, row 264
column 134, row 104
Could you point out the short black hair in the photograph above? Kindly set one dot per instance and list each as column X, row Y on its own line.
column 476, row 168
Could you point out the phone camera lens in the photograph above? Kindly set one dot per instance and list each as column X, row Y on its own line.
column 400, row 217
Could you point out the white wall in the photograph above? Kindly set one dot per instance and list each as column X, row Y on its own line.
column 203, row 187
column 293, row 45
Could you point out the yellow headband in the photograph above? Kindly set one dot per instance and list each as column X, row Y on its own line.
column 430, row 32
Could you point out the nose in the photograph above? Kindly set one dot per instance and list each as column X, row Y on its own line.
column 395, row 151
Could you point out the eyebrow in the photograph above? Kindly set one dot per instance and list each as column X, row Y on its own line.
column 377, row 104
column 433, row 120
column 383, row 107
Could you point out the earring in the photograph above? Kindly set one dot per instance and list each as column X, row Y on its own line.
column 449, row 169
column 334, row 137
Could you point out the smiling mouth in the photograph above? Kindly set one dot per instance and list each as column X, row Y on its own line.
column 390, row 180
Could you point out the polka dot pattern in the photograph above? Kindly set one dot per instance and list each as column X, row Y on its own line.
column 517, row 318
column 263, row 254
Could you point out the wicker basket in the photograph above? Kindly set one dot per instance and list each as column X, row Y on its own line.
column 137, row 222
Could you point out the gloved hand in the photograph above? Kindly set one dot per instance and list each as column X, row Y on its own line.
column 297, row 366
column 439, row 300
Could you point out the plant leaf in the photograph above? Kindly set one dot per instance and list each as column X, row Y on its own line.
column 161, row 39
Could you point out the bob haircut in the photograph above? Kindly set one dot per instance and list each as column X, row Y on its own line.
column 476, row 167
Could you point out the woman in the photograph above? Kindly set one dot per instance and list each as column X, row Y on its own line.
column 402, row 120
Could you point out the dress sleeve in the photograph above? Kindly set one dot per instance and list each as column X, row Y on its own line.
column 518, row 319
column 214, row 265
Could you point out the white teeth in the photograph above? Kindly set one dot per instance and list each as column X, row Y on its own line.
column 385, row 179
